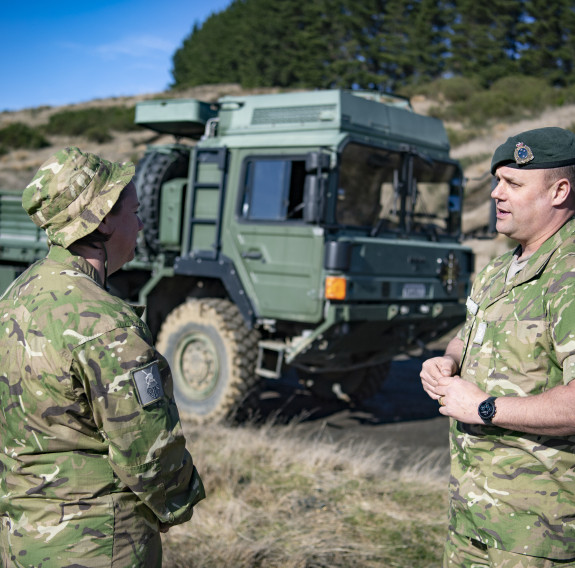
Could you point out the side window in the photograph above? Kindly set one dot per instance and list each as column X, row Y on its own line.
column 273, row 189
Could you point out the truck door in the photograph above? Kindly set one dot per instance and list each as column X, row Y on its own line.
column 280, row 254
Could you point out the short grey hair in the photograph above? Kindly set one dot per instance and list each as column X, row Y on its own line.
column 554, row 174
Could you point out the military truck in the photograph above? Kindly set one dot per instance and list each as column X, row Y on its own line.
column 313, row 231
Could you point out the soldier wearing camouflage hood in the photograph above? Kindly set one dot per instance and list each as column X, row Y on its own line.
column 93, row 463
column 506, row 381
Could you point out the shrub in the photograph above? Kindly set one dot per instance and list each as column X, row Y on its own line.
column 510, row 98
column 459, row 137
column 18, row 135
column 93, row 123
column 479, row 108
column 565, row 96
column 451, row 90
column 98, row 133
column 457, row 89
column 531, row 93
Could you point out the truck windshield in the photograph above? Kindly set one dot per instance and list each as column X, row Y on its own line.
column 408, row 192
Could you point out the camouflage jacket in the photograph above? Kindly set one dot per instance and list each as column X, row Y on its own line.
column 89, row 429
column 512, row 490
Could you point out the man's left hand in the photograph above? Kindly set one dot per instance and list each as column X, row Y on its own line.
column 460, row 399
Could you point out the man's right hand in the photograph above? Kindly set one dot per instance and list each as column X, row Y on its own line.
column 435, row 369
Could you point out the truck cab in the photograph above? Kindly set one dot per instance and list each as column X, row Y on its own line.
column 326, row 225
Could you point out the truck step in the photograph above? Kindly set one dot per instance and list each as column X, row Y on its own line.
column 270, row 359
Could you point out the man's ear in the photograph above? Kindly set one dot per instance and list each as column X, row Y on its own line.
column 105, row 227
column 561, row 191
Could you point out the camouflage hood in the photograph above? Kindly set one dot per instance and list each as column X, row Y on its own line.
column 72, row 192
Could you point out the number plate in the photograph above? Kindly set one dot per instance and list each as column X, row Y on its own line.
column 413, row 291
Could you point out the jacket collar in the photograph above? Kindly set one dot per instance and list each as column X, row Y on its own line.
column 543, row 254
column 74, row 262
column 535, row 264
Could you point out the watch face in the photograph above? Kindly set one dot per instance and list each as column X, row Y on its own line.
column 487, row 410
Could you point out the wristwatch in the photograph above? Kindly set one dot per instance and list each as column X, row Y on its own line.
column 487, row 409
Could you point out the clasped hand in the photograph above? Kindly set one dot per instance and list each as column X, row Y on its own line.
column 459, row 398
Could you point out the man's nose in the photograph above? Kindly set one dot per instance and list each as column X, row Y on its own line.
column 496, row 191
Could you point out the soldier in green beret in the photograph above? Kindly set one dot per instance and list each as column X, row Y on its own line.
column 507, row 379
column 93, row 463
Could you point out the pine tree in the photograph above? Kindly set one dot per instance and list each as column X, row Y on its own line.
column 378, row 44
column 548, row 40
column 290, row 43
column 429, row 40
column 484, row 43
column 211, row 54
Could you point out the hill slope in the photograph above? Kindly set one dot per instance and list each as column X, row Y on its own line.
column 17, row 167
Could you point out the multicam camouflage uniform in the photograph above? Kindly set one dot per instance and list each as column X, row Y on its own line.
column 511, row 490
column 93, row 455
column 93, row 459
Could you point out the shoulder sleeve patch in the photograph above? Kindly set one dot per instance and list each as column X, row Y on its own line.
column 148, row 383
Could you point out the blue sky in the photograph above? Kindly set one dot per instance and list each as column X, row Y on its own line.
column 55, row 53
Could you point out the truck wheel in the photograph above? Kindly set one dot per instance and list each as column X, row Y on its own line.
column 212, row 354
column 351, row 386
column 153, row 170
column 373, row 378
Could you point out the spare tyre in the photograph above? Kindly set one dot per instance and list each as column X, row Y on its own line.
column 152, row 171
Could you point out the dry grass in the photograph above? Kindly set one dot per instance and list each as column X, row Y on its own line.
column 277, row 500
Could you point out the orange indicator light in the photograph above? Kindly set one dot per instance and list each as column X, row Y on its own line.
column 335, row 288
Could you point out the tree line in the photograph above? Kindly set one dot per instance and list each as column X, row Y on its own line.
column 387, row 45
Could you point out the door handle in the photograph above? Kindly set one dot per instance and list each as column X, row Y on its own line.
column 253, row 255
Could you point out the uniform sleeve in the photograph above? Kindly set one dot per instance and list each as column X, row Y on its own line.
column 561, row 308
column 129, row 386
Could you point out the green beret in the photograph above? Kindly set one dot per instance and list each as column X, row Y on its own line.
column 538, row 149
column 72, row 192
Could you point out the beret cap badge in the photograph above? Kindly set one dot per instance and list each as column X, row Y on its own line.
column 522, row 154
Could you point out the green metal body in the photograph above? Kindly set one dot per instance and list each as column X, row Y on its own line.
column 21, row 242
column 281, row 192
column 397, row 292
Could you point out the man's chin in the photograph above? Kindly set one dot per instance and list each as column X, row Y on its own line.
column 503, row 228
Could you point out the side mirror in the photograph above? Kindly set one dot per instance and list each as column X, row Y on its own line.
column 316, row 165
column 313, row 199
